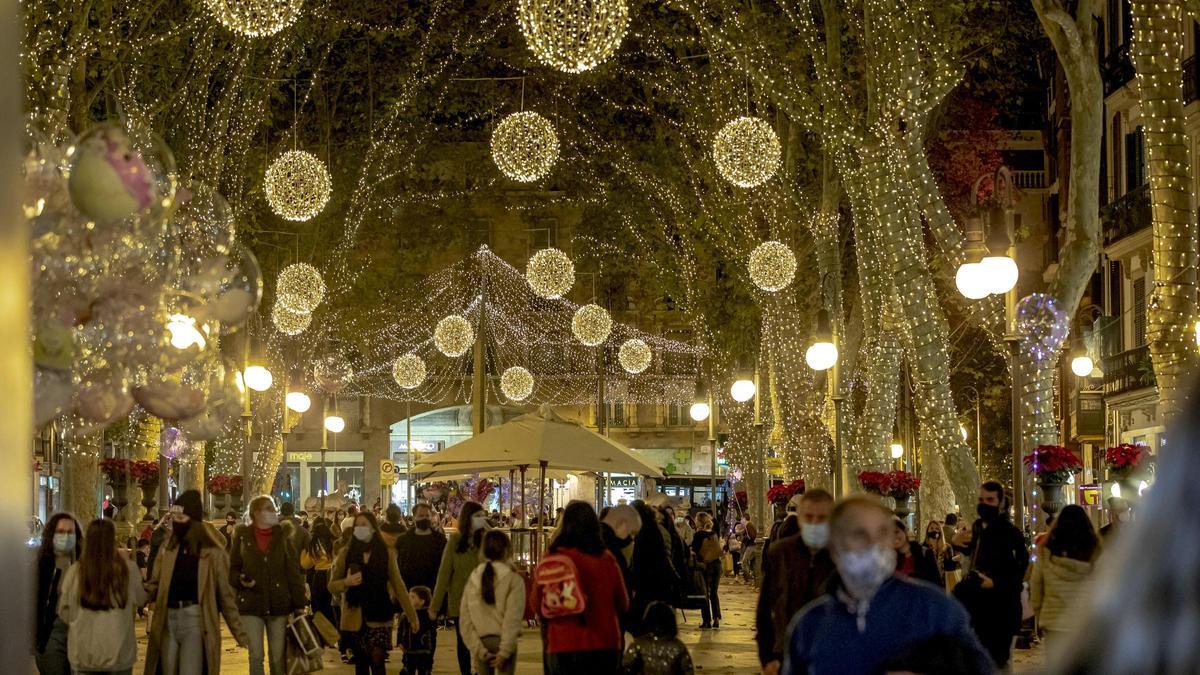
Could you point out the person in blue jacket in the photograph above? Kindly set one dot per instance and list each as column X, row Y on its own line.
column 871, row 617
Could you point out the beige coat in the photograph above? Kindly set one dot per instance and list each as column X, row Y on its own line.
column 352, row 616
column 215, row 593
column 1056, row 587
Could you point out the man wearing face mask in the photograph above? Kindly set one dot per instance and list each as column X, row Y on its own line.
column 991, row 591
column 420, row 549
column 870, row 616
column 799, row 569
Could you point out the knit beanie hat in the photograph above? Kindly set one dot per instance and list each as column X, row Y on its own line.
column 191, row 504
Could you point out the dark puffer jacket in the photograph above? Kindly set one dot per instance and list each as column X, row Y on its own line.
column 267, row 583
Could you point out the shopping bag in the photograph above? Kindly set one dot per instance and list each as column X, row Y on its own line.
column 325, row 628
column 299, row 663
column 727, row 563
column 301, row 632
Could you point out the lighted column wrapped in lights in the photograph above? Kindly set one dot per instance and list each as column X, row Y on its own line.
column 550, row 273
column 300, row 288
column 747, row 152
column 409, row 371
column 288, row 322
column 516, row 383
column 635, row 356
column 772, row 266
column 591, row 325
column 1041, row 327
column 454, row 336
column 297, row 185
column 255, row 18
column 573, row 35
column 524, row 146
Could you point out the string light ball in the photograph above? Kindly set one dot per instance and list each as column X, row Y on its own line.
column 550, row 273
column 747, row 152
column 255, row 18
column 524, row 146
column 409, row 371
column 635, row 356
column 297, row 185
column 772, row 266
column 453, row 336
column 288, row 322
column 591, row 325
column 516, row 383
column 300, row 288
column 573, row 35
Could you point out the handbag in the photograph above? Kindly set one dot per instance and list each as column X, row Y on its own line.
column 325, row 628
column 299, row 663
column 710, row 550
column 301, row 631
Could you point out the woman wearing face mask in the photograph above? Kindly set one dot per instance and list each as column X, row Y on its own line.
column 934, row 551
column 459, row 560
column 317, row 560
column 100, row 595
column 264, row 569
column 368, row 577
column 190, row 587
column 910, row 557
column 62, row 542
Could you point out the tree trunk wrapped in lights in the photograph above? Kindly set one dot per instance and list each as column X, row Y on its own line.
column 1157, row 53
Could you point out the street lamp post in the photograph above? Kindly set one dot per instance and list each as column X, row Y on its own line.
column 975, row 400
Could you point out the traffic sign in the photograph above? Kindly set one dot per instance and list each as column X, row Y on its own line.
column 387, row 472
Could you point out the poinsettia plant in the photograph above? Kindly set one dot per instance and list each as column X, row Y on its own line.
column 145, row 471
column 872, row 481
column 1124, row 459
column 899, row 484
column 117, row 470
column 1053, row 463
column 224, row 484
column 783, row 493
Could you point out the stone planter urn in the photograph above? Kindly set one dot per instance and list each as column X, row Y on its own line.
column 1053, row 500
column 235, row 501
column 903, row 507
column 120, row 498
column 149, row 499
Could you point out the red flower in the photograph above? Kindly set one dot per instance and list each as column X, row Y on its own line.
column 899, row 484
column 783, row 493
column 117, row 470
column 1125, row 458
column 1053, row 463
column 872, row 481
column 224, row 484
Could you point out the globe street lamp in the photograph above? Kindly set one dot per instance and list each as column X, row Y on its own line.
column 742, row 390
column 257, row 378
column 823, row 353
column 699, row 411
column 298, row 402
column 335, row 423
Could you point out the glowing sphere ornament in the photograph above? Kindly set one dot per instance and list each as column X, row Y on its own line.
column 297, row 185
column 573, row 35
column 635, row 356
column 409, row 371
column 747, row 152
column 516, row 383
column 772, row 266
column 333, row 373
column 288, row 322
column 454, row 336
column 300, row 288
column 524, row 146
column 255, row 18
column 550, row 273
column 591, row 325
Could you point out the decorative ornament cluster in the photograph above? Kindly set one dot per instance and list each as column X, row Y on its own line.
column 333, row 372
column 1041, row 325
column 409, row 371
column 524, row 146
column 516, row 383
column 288, row 322
column 454, row 336
column 550, row 273
column 747, row 152
column 591, row 325
column 299, row 290
column 772, row 266
column 635, row 356
column 297, row 185
column 255, row 18
column 573, row 35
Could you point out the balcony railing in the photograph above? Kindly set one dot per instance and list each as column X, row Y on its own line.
column 1087, row 419
column 1117, row 69
column 1030, row 180
column 1126, row 215
column 1129, row 370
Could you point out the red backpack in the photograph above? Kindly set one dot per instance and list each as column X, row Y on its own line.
column 558, row 580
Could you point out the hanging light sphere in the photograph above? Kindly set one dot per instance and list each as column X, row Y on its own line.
column 550, row 273
column 699, row 412
column 453, row 336
column 255, row 18
column 772, row 266
column 634, row 356
column 516, row 383
column 300, row 288
column 747, row 152
column 288, row 322
column 591, row 325
column 971, row 281
column 333, row 372
column 1001, row 273
column 409, row 371
column 573, row 35
column 297, row 185
column 524, row 146
column 821, row 355
column 742, row 390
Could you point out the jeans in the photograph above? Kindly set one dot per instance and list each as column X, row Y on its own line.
column 183, row 645
column 464, row 654
column 750, row 563
column 712, row 579
column 53, row 659
column 597, row 662
column 275, row 628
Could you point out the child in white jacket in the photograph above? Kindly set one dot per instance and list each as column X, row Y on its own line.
column 493, row 605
